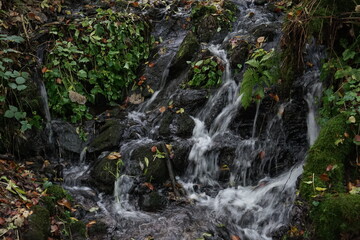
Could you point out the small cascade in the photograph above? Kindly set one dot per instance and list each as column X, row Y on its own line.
column 255, row 119
column 311, row 97
column 73, row 175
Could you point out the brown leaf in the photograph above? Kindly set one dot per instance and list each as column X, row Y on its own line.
column 2, row 221
column 153, row 149
column 135, row 4
column 151, row 65
column 114, row 156
column 162, row 109
column 77, row 97
column 149, row 185
column 262, row 155
column 44, row 70
column 89, row 224
column 324, row 177
column 234, row 237
column 64, row 202
column 329, row 168
column 54, row 228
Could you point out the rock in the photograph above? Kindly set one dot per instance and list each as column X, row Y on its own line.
column 239, row 54
column 156, row 170
column 264, row 30
column 109, row 137
column 181, row 150
column 39, row 224
column 152, row 202
column 67, row 138
column 179, row 124
column 260, row 2
column 103, row 174
column 186, row 52
column 207, row 28
column 190, row 99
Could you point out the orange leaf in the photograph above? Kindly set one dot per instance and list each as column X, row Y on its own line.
column 135, row 4
column 162, row 109
column 149, row 185
column 151, row 65
column 44, row 70
column 153, row 149
column 234, row 237
column 64, row 202
column 89, row 224
column 329, row 168
column 324, row 177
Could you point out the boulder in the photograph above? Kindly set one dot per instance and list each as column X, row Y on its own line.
column 264, row 30
column 190, row 99
column 67, row 138
column 153, row 201
column 239, row 54
column 109, row 137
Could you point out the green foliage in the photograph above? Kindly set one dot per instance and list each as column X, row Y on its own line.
column 12, row 84
column 206, row 73
column 98, row 57
column 336, row 216
column 262, row 72
column 225, row 14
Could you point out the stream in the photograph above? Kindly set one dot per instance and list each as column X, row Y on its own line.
column 241, row 165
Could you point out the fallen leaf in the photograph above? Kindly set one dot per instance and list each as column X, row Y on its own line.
column 93, row 209
column 153, row 149
column 162, row 109
column 329, row 168
column 44, row 70
column 352, row 119
column 181, row 110
column 77, row 97
column 89, row 224
column 262, row 155
column 151, row 65
column 149, row 186
column 54, row 228
column 260, row 40
column 324, row 177
column 135, row 4
column 136, row 98
column 320, row 189
column 2, row 221
column 309, row 64
column 64, row 202
column 114, row 156
column 234, row 237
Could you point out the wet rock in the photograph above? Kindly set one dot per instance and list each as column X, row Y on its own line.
column 239, row 54
column 156, row 170
column 260, row 2
column 109, row 137
column 265, row 30
column 39, row 224
column 186, row 52
column 152, row 202
column 181, row 150
column 103, row 174
column 179, row 124
column 67, row 138
column 98, row 230
column 190, row 99
column 207, row 28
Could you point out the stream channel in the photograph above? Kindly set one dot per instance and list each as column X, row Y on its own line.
column 236, row 168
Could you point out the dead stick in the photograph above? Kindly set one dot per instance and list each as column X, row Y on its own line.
column 170, row 169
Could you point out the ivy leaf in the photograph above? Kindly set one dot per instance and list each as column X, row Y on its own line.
column 9, row 114
column 82, row 74
column 13, row 85
column 348, row 54
column 21, row 87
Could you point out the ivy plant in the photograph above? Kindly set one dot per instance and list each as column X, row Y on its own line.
column 206, row 73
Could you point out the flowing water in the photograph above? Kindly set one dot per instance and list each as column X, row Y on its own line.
column 257, row 197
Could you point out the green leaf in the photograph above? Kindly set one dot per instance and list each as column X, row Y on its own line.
column 20, row 80
column 348, row 54
column 9, row 114
column 11, row 38
column 198, row 63
column 82, row 74
column 20, row 115
column 315, row 203
column 25, row 75
column 2, row 98
column 13, row 85
column 21, row 87
column 253, row 62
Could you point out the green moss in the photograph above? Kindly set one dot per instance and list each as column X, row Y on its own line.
column 78, row 230
column 325, row 152
column 337, row 215
column 57, row 192
column 39, row 224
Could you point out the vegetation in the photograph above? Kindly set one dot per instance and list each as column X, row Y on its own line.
column 262, row 73
column 206, row 73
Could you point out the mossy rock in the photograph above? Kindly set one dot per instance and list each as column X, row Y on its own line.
column 57, row 192
column 186, row 52
column 336, row 216
column 78, row 230
column 326, row 152
column 39, row 224
column 109, row 137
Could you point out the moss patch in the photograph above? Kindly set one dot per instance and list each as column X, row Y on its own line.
column 39, row 224
column 326, row 152
column 336, row 216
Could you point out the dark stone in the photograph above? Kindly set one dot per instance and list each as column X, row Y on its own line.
column 260, row 2
column 186, row 52
column 265, row 30
column 152, row 202
column 239, row 54
column 206, row 28
column 181, row 151
column 67, row 138
column 191, row 100
column 164, row 127
column 184, row 125
column 97, row 231
column 39, row 224
column 102, row 175
column 157, row 170
column 109, row 137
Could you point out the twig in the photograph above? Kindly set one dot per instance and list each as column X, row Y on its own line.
column 24, row 28
column 170, row 169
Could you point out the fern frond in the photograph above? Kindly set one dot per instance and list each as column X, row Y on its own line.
column 250, row 79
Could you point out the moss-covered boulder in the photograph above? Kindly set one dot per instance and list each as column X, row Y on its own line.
column 39, row 224
column 337, row 217
column 327, row 156
column 186, row 52
column 152, row 202
column 109, row 136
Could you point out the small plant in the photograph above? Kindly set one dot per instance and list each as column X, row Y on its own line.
column 97, row 59
column 262, row 72
column 114, row 170
column 206, row 73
